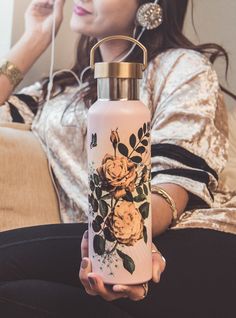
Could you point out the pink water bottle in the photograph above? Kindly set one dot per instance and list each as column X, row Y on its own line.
column 119, row 174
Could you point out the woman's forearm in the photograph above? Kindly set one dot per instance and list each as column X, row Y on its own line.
column 161, row 211
column 23, row 55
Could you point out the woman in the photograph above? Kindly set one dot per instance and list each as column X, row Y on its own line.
column 39, row 265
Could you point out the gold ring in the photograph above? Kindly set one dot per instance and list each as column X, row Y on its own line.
column 145, row 287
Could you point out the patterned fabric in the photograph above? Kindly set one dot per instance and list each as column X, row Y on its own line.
column 189, row 138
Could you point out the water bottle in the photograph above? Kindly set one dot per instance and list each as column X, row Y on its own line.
column 119, row 172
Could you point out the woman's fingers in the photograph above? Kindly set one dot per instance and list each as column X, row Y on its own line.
column 134, row 292
column 158, row 264
column 85, row 269
column 58, row 7
column 84, row 245
column 105, row 291
column 42, row 8
column 85, row 266
column 94, row 285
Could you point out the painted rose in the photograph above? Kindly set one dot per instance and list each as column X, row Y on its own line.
column 117, row 174
column 126, row 223
column 115, row 139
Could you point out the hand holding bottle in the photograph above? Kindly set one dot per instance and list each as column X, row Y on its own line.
column 94, row 285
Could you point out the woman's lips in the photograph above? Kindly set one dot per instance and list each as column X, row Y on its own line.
column 80, row 11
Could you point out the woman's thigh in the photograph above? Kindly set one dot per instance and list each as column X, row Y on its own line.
column 42, row 299
column 39, row 275
column 47, row 252
column 199, row 279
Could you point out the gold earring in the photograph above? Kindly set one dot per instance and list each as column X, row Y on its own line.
column 149, row 16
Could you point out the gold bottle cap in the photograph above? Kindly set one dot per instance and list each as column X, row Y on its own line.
column 118, row 70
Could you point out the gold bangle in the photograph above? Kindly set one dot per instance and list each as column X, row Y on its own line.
column 169, row 201
column 11, row 72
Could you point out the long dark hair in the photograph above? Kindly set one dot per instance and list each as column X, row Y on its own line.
column 167, row 36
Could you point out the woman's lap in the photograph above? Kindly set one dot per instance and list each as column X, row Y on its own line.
column 50, row 252
column 199, row 280
column 42, row 299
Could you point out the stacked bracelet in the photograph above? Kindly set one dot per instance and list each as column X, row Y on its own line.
column 13, row 74
column 169, row 201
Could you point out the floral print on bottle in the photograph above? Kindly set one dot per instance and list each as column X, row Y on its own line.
column 118, row 204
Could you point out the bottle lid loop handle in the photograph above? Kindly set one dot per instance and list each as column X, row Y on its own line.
column 118, row 37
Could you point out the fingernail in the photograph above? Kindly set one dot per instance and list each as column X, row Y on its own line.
column 157, row 279
column 84, row 263
column 92, row 281
column 86, row 234
column 119, row 288
column 164, row 259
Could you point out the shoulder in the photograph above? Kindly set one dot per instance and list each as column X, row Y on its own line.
column 173, row 57
column 180, row 62
column 176, row 67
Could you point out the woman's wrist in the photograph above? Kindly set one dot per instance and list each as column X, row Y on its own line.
column 36, row 40
column 26, row 51
column 22, row 56
column 162, row 213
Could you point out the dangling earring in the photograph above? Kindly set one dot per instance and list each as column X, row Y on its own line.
column 149, row 15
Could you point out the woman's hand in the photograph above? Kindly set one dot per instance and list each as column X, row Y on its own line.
column 94, row 285
column 39, row 18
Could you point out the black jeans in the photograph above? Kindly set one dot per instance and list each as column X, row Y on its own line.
column 39, row 276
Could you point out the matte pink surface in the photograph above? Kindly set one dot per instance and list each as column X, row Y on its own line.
column 128, row 117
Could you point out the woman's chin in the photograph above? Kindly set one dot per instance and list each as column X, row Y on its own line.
column 77, row 26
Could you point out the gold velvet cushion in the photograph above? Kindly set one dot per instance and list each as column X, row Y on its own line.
column 27, row 194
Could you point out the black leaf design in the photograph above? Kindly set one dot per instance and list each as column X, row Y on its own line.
column 103, row 208
column 132, row 140
column 144, row 142
column 128, row 197
column 140, row 149
column 145, row 234
column 99, row 219
column 139, row 190
column 144, row 209
column 145, row 189
column 93, row 202
column 96, row 226
column 136, row 159
column 123, row 149
column 90, row 199
column 140, row 133
column 92, row 186
column 98, row 192
column 140, row 198
column 144, row 170
column 99, row 244
column 144, row 128
column 96, row 179
column 108, row 235
column 128, row 263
